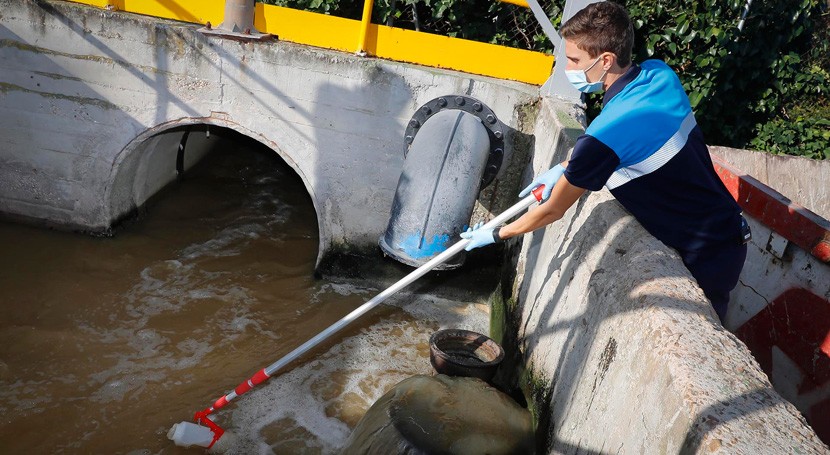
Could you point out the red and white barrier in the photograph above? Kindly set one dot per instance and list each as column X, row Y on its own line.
column 780, row 308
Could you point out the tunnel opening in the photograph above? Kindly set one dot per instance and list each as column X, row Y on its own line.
column 165, row 162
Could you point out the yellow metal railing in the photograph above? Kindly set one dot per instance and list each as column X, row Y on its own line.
column 337, row 33
column 365, row 22
column 522, row 3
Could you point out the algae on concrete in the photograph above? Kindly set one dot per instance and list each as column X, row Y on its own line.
column 6, row 87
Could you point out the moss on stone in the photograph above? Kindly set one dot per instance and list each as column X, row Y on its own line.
column 536, row 391
column 497, row 315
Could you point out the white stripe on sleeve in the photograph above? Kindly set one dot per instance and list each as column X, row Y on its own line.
column 658, row 159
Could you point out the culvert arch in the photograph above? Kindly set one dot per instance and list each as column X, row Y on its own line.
column 160, row 155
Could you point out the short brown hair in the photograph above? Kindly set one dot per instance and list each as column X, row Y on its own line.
column 601, row 27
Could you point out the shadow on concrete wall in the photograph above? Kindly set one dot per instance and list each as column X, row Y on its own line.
column 158, row 82
column 38, row 86
column 582, row 329
column 351, row 118
column 712, row 416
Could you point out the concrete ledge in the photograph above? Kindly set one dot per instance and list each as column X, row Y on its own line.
column 803, row 180
column 624, row 352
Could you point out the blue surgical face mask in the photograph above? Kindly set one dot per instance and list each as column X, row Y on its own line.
column 579, row 79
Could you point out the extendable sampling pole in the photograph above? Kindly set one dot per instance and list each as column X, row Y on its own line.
column 201, row 417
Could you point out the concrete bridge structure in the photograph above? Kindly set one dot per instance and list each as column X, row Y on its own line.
column 96, row 104
column 100, row 110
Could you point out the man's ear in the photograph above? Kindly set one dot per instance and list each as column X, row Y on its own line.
column 609, row 59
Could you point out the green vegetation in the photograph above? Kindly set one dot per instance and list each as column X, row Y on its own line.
column 498, row 316
column 763, row 87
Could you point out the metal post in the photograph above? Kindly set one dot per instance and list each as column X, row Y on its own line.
column 237, row 23
column 545, row 22
column 364, row 27
column 743, row 15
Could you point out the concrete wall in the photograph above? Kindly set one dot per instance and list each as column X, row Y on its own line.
column 781, row 310
column 625, row 354
column 803, row 180
column 85, row 93
column 781, row 305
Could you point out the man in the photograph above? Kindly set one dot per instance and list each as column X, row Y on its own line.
column 645, row 147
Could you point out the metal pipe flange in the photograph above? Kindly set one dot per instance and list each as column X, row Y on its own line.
column 495, row 128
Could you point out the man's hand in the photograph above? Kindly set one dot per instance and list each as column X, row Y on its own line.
column 478, row 237
column 548, row 178
column 563, row 196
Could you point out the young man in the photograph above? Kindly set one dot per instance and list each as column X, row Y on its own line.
column 645, row 147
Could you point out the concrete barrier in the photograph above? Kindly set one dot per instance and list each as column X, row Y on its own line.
column 92, row 104
column 803, row 180
column 623, row 351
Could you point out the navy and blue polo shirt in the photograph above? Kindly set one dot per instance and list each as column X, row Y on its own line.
column 647, row 149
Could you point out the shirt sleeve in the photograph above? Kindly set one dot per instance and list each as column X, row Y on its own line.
column 591, row 163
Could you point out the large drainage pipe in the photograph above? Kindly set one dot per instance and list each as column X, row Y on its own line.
column 454, row 149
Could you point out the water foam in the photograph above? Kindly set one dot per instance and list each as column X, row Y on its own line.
column 170, row 287
column 314, row 406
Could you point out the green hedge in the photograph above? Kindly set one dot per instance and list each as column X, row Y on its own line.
column 765, row 87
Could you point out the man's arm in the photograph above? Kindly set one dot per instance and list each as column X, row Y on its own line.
column 561, row 199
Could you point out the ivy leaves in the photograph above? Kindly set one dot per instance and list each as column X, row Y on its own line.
column 741, row 83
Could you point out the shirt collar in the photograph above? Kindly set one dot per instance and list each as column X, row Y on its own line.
column 620, row 83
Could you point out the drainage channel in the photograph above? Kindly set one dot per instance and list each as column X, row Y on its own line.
column 105, row 342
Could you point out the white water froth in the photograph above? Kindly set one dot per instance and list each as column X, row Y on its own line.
column 340, row 289
column 228, row 242
column 170, row 287
column 22, row 397
column 314, row 406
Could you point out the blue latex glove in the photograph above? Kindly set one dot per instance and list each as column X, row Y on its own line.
column 548, row 178
column 478, row 237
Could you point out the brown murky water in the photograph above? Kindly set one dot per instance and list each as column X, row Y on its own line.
column 106, row 342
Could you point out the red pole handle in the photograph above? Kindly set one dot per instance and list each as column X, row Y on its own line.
column 243, row 387
column 251, row 383
column 538, row 192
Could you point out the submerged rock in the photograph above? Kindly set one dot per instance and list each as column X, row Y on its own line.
column 443, row 415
